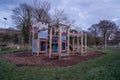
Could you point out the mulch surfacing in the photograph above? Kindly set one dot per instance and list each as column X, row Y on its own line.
column 25, row 58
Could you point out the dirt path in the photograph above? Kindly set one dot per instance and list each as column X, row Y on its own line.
column 27, row 59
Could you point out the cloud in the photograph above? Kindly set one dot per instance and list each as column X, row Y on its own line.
column 115, row 19
column 84, row 12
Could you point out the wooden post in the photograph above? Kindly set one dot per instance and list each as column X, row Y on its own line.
column 38, row 47
column 68, row 41
column 39, row 43
column 73, row 45
column 85, row 42
column 59, row 43
column 81, row 42
column 78, row 42
column 32, row 38
column 50, row 42
column 46, row 46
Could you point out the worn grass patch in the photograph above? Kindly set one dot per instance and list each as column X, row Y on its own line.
column 106, row 67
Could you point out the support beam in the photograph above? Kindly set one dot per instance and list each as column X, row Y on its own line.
column 85, row 42
column 68, row 41
column 32, row 39
column 50, row 42
column 46, row 47
column 59, row 43
column 39, row 43
column 81, row 42
column 73, row 45
column 78, row 43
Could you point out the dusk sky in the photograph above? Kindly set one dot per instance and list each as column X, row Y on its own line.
column 84, row 12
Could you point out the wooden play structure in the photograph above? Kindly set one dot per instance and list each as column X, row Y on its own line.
column 56, row 40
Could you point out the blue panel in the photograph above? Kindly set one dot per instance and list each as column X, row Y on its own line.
column 35, row 46
column 43, row 34
column 63, row 46
column 63, row 37
column 43, row 46
column 55, row 48
column 54, row 40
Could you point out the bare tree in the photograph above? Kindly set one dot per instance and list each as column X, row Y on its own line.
column 22, row 17
column 41, row 10
column 94, row 31
column 58, row 16
column 106, row 28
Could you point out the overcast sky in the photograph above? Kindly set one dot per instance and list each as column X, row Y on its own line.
column 84, row 12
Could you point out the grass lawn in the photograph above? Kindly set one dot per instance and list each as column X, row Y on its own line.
column 106, row 67
column 8, row 50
